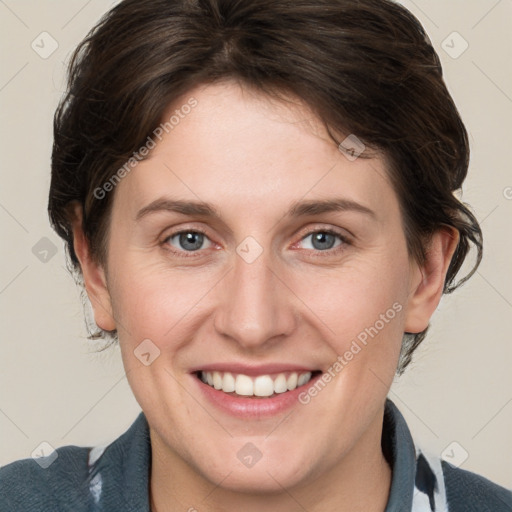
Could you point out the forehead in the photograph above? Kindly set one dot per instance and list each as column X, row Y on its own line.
column 241, row 149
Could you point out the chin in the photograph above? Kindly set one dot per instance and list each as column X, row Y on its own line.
column 242, row 467
column 267, row 479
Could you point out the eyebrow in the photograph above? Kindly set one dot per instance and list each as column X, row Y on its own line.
column 297, row 209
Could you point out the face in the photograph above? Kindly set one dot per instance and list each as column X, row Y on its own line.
column 250, row 253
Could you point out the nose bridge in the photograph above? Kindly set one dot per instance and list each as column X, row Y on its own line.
column 255, row 307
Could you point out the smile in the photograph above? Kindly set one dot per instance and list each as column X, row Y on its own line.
column 260, row 386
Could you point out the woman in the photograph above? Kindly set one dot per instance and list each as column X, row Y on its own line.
column 259, row 199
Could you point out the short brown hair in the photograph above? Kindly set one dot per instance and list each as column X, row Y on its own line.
column 365, row 67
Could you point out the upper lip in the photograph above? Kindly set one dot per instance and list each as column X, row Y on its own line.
column 253, row 370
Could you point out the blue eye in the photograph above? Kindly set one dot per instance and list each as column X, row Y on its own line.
column 189, row 241
column 322, row 240
column 325, row 240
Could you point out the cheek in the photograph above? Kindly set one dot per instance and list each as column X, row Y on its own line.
column 361, row 296
column 361, row 312
column 150, row 302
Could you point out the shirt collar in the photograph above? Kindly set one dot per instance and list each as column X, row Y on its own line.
column 398, row 447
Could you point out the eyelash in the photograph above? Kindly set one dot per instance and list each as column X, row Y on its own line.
column 315, row 253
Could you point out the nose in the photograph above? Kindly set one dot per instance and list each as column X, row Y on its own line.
column 256, row 308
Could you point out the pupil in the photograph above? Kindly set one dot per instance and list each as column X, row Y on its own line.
column 323, row 240
column 191, row 241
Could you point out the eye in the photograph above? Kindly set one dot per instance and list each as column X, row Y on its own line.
column 193, row 240
column 188, row 241
column 324, row 240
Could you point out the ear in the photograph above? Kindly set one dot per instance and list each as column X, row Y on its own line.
column 93, row 274
column 428, row 279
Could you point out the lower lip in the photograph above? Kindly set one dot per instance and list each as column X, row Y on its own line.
column 253, row 407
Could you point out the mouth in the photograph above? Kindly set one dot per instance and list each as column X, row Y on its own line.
column 263, row 386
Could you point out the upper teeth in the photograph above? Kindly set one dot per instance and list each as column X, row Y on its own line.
column 263, row 385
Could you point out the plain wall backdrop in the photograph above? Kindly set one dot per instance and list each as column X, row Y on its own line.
column 457, row 394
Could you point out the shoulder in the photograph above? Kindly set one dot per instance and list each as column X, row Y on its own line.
column 54, row 483
column 113, row 477
column 422, row 481
column 469, row 492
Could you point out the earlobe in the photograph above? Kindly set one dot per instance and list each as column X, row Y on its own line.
column 428, row 282
column 93, row 274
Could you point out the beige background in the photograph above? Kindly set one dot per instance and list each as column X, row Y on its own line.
column 54, row 387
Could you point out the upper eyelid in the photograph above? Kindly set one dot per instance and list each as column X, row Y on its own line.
column 343, row 233
column 181, row 231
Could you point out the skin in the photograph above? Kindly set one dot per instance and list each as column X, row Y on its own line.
column 252, row 157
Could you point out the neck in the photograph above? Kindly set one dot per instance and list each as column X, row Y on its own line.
column 359, row 482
